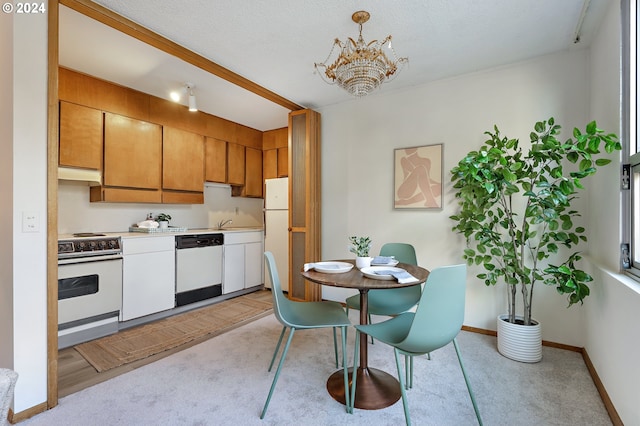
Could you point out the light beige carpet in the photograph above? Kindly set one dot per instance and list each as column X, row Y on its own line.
column 149, row 339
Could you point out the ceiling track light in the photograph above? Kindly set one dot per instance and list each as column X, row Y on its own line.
column 186, row 90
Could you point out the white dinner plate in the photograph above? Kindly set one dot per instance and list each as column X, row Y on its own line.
column 332, row 267
column 372, row 272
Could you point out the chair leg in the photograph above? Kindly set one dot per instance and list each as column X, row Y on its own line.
column 466, row 380
column 370, row 323
column 335, row 346
column 277, row 348
column 354, row 374
column 408, row 371
column 275, row 378
column 402, row 386
column 345, row 370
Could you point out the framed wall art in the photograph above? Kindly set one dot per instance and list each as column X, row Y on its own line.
column 418, row 177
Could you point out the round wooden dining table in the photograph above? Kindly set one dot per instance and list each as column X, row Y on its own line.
column 375, row 388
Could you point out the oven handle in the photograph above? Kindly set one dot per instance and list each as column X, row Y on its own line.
column 74, row 260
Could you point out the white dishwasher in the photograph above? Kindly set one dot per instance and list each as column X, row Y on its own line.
column 198, row 267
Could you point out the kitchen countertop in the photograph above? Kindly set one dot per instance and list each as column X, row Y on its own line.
column 189, row 231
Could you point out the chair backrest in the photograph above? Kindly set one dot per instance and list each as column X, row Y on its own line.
column 440, row 312
column 403, row 252
column 281, row 305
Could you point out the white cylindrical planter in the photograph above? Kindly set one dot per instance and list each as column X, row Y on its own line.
column 519, row 342
column 363, row 262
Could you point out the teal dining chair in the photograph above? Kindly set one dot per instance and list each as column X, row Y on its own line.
column 305, row 315
column 435, row 323
column 391, row 301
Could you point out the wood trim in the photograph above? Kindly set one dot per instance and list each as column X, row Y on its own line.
column 29, row 412
column 52, row 208
column 608, row 405
column 120, row 23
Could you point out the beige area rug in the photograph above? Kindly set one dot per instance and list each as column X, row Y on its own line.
column 150, row 339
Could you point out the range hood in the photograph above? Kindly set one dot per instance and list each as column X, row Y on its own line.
column 92, row 177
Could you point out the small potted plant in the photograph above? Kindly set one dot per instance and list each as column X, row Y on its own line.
column 361, row 246
column 163, row 219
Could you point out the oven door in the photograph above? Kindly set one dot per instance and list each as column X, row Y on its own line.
column 89, row 287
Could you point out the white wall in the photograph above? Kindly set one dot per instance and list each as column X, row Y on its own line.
column 611, row 314
column 29, row 104
column 77, row 214
column 358, row 142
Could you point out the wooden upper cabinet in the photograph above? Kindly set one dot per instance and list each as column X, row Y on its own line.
column 182, row 160
column 253, row 177
column 235, row 164
column 283, row 162
column 275, row 153
column 132, row 153
column 270, row 163
column 80, row 136
column 215, row 160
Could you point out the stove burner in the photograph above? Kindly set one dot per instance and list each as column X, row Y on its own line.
column 88, row 234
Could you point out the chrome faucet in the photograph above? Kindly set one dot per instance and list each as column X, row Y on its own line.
column 223, row 223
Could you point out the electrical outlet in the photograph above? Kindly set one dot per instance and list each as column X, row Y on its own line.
column 30, row 222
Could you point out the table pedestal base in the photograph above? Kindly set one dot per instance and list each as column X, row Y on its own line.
column 375, row 388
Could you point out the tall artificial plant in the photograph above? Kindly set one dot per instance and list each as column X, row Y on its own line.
column 516, row 209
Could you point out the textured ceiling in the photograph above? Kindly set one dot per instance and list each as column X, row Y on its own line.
column 275, row 44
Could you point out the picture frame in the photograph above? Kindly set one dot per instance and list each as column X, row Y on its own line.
column 418, row 177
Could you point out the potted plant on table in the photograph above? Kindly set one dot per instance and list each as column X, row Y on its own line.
column 516, row 215
column 361, row 246
column 163, row 219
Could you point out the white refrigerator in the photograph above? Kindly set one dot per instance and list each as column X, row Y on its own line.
column 276, row 226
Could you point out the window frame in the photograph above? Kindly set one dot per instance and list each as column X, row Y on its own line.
column 630, row 199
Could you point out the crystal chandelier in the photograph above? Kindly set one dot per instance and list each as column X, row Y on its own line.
column 361, row 67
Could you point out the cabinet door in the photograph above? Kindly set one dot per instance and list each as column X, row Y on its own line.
column 215, row 160
column 235, row 164
column 80, row 136
column 132, row 153
column 233, row 275
column 253, row 173
column 148, row 284
column 283, row 162
column 270, row 163
column 182, row 160
column 253, row 258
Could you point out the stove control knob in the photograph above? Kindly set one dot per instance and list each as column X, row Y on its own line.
column 102, row 244
column 92, row 245
column 81, row 246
